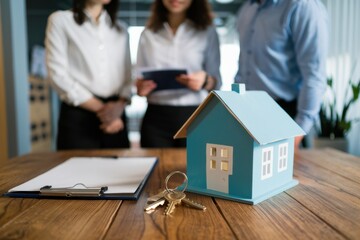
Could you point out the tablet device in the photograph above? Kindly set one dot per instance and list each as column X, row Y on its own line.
column 165, row 79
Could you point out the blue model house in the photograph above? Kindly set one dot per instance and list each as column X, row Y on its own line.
column 240, row 146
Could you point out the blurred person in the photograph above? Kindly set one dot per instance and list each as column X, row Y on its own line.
column 283, row 50
column 88, row 61
column 179, row 34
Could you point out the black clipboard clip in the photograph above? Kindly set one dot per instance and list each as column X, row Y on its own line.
column 73, row 191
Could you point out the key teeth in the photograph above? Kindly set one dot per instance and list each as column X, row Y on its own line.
column 168, row 211
column 154, row 205
column 156, row 197
column 193, row 204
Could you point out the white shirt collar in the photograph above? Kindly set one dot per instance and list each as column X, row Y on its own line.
column 184, row 25
column 103, row 18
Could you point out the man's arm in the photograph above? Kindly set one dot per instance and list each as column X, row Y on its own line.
column 309, row 27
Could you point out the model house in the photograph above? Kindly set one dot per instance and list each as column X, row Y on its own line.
column 240, row 146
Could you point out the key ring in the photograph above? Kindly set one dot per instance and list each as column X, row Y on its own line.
column 170, row 175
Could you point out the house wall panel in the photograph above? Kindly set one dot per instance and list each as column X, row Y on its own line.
column 278, row 179
column 219, row 127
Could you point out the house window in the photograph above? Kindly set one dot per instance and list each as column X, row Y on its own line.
column 212, row 164
column 213, row 151
column 266, row 163
column 224, row 152
column 283, row 157
column 224, row 165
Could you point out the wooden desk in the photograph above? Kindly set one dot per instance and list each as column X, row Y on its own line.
column 325, row 205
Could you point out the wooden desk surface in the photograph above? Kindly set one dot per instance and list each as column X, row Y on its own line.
column 325, row 205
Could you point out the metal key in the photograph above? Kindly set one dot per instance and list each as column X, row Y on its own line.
column 173, row 198
column 193, row 204
column 158, row 196
column 155, row 204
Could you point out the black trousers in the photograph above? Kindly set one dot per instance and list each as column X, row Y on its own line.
column 160, row 124
column 291, row 109
column 80, row 129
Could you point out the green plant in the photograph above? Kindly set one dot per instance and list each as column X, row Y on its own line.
column 336, row 124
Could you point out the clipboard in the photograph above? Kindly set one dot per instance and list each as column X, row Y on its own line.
column 98, row 178
column 165, row 78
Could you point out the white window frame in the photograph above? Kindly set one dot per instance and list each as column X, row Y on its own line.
column 267, row 158
column 213, row 151
column 283, row 157
column 224, row 153
column 212, row 164
column 224, row 165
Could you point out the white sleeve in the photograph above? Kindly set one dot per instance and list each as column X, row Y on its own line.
column 56, row 44
column 125, row 91
column 141, row 55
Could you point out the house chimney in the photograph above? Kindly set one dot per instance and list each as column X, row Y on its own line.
column 238, row 87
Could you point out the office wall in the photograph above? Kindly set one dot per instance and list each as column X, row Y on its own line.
column 15, row 71
column 37, row 12
column 3, row 131
column 344, row 57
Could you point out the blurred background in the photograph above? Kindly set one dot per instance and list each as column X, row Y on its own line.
column 29, row 109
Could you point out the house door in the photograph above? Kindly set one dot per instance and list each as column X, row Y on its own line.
column 219, row 165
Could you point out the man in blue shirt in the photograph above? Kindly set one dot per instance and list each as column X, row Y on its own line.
column 283, row 50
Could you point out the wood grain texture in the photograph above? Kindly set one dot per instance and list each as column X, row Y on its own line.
column 184, row 223
column 335, row 161
column 330, row 193
column 323, row 176
column 50, row 220
column 11, row 207
column 279, row 217
column 325, row 205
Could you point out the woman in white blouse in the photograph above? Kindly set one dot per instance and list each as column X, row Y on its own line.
column 179, row 34
column 88, row 60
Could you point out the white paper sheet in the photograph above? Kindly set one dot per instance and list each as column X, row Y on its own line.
column 120, row 175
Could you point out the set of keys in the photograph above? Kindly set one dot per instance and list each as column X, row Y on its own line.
column 172, row 196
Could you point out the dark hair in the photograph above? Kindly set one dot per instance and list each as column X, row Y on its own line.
column 199, row 12
column 79, row 15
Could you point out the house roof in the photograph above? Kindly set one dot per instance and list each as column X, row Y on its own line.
column 256, row 111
